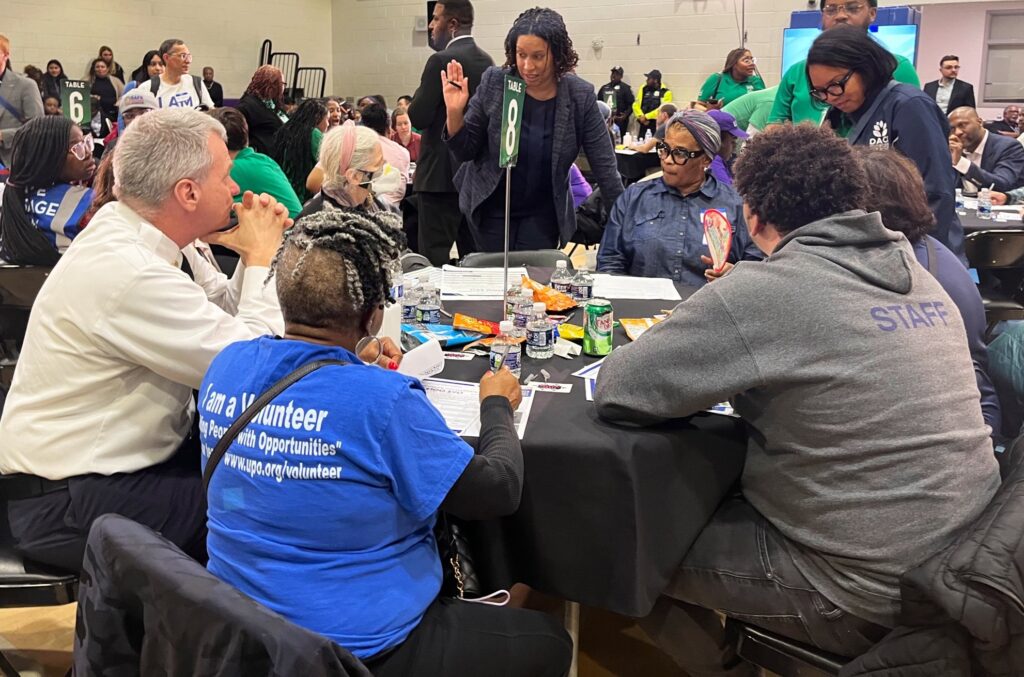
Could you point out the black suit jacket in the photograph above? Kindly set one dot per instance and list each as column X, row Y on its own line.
column 1002, row 164
column 436, row 167
column 962, row 95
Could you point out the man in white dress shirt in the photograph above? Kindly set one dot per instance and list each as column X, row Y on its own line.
column 99, row 417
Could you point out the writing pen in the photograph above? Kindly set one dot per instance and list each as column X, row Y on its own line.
column 500, row 360
column 455, row 84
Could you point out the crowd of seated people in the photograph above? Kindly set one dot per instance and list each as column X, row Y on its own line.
column 846, row 266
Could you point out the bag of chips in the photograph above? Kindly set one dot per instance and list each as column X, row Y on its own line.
column 553, row 300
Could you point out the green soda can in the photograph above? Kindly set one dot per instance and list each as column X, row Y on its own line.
column 597, row 330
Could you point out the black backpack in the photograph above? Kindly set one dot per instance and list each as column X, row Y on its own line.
column 591, row 218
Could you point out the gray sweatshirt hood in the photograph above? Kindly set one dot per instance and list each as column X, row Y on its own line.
column 855, row 241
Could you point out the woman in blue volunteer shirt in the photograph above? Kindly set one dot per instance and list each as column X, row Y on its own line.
column 851, row 72
column 322, row 508
column 45, row 199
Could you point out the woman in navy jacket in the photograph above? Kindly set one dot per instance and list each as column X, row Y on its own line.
column 560, row 116
column 852, row 72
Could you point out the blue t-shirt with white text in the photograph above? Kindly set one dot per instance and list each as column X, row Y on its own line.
column 58, row 211
column 323, row 507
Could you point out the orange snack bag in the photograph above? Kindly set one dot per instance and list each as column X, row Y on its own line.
column 468, row 323
column 553, row 300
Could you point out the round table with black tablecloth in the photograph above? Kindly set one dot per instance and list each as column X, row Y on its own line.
column 635, row 166
column 607, row 511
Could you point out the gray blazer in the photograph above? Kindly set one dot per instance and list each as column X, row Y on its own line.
column 578, row 124
column 23, row 94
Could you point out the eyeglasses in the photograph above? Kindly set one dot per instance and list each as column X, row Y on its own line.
column 850, row 8
column 680, row 156
column 184, row 56
column 834, row 89
column 749, row 59
column 82, row 149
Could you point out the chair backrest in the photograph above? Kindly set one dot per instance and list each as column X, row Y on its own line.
column 992, row 249
column 147, row 608
column 412, row 261
column 542, row 258
column 19, row 285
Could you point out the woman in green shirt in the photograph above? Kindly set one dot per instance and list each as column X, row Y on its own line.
column 297, row 144
column 739, row 77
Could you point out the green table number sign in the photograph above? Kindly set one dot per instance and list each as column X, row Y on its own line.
column 75, row 101
column 511, row 120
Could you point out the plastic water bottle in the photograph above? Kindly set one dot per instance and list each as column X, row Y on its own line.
column 627, row 139
column 961, row 208
column 582, row 286
column 397, row 281
column 391, row 323
column 514, row 356
column 523, row 308
column 985, row 204
column 540, row 334
column 561, row 279
column 409, row 302
column 648, row 135
column 428, row 306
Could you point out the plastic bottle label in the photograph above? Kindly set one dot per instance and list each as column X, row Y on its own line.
column 583, row 292
column 513, row 361
column 564, row 287
column 538, row 338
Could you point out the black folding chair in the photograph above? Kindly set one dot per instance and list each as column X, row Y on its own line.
column 542, row 258
column 18, row 288
column 998, row 256
column 23, row 583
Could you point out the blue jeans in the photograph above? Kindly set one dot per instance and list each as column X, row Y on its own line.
column 740, row 566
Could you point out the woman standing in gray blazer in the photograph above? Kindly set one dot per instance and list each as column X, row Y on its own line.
column 560, row 116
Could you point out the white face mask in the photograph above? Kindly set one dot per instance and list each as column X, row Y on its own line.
column 386, row 180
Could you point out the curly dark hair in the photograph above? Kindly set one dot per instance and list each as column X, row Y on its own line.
column 546, row 24
column 792, row 175
column 896, row 191
column 333, row 266
column 293, row 144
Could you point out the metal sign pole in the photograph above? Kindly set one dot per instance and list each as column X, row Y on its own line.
column 511, row 127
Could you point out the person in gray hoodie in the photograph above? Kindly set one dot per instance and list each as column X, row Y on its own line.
column 849, row 365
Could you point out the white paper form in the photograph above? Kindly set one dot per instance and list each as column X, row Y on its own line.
column 477, row 284
column 433, row 277
column 626, row 287
column 459, row 404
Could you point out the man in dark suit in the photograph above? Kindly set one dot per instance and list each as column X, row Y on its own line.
column 1009, row 125
column 440, row 221
column 949, row 91
column 981, row 158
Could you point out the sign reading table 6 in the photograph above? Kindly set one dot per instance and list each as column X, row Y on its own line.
column 75, row 101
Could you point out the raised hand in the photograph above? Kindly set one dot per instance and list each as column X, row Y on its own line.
column 455, row 87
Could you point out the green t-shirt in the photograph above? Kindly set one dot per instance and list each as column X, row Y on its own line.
column 751, row 110
column 728, row 90
column 793, row 101
column 260, row 174
column 318, row 137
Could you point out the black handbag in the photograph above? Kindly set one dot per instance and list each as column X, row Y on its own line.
column 460, row 577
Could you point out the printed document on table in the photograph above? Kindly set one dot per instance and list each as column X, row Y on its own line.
column 626, row 287
column 459, row 404
column 432, row 274
column 477, row 284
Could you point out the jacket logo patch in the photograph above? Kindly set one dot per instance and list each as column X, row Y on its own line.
column 880, row 135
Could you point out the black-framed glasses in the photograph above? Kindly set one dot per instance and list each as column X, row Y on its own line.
column 680, row 156
column 836, row 88
column 850, row 8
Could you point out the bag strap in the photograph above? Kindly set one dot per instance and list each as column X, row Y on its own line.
column 197, row 82
column 253, row 409
column 154, row 85
column 12, row 109
column 933, row 265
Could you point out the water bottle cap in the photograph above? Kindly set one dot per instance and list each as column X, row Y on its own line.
column 539, row 307
column 526, row 289
column 560, row 264
column 505, row 326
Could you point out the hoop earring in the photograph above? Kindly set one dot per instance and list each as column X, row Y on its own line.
column 364, row 342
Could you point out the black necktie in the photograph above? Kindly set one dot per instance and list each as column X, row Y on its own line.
column 186, row 267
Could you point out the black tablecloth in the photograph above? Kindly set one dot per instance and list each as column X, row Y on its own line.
column 607, row 511
column 634, row 167
column 973, row 224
